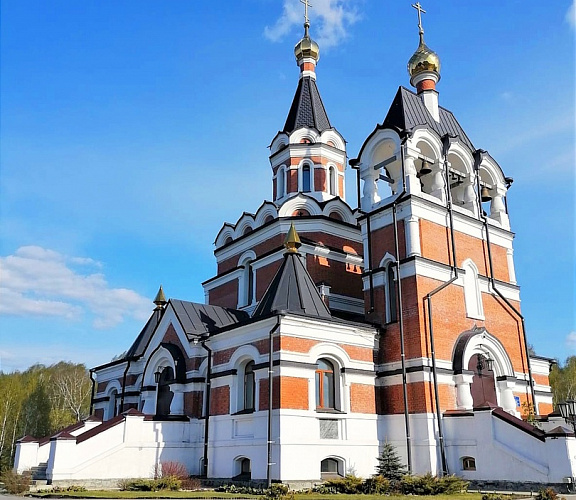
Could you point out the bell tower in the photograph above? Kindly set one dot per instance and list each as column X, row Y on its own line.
column 439, row 270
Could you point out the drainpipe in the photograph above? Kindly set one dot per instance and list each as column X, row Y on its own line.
column 269, row 441
column 207, row 409
column 124, row 385
column 478, row 154
column 428, row 298
column 91, row 372
column 399, row 197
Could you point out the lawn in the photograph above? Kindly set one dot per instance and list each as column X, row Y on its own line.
column 217, row 494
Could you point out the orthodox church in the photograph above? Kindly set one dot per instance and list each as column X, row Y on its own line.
column 329, row 330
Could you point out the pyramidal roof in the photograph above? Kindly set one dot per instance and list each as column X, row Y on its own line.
column 408, row 111
column 292, row 290
column 307, row 108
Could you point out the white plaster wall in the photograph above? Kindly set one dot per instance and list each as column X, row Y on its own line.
column 129, row 449
column 503, row 452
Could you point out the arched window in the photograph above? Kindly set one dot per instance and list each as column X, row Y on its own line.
column 249, row 387
column 280, row 183
column 306, row 179
column 391, row 294
column 112, row 410
column 332, row 180
column 329, row 468
column 246, row 291
column 468, row 463
column 325, row 385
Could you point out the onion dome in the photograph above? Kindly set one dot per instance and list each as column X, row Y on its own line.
column 424, row 59
column 307, row 47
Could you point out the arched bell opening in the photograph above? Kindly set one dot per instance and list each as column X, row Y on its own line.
column 164, row 377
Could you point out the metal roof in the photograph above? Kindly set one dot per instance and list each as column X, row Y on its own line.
column 292, row 290
column 307, row 108
column 408, row 111
column 200, row 319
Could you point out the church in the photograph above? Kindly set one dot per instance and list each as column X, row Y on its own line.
column 332, row 327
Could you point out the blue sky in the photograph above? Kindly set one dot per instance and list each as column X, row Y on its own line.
column 130, row 131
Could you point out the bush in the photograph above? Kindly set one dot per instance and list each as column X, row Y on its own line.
column 349, row 484
column 432, row 485
column 242, row 490
column 376, row 485
column 492, row 496
column 16, row 483
column 162, row 483
column 191, row 483
column 171, row 469
column 547, row 494
column 276, row 490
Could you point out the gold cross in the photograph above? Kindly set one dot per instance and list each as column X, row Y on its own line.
column 306, row 5
column 420, row 10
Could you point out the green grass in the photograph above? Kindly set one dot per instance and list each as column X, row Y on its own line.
column 217, row 494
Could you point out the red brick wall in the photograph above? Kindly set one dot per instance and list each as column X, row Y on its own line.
column 320, row 180
column 263, row 393
column 362, row 398
column 99, row 413
column 193, row 403
column 220, row 400
column 225, row 295
column 420, row 398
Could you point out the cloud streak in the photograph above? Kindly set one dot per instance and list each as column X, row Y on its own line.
column 330, row 20
column 571, row 341
column 571, row 15
column 40, row 282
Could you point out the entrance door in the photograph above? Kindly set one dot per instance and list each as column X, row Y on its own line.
column 165, row 395
column 483, row 387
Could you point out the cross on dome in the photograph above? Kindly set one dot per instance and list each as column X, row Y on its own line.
column 421, row 11
column 306, row 5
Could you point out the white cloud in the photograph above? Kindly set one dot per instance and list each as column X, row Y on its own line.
column 40, row 282
column 571, row 341
column 329, row 19
column 571, row 15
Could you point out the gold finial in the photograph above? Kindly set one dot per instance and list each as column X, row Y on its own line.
column 160, row 299
column 421, row 11
column 292, row 241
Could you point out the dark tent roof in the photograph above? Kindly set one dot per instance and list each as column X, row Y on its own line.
column 408, row 111
column 196, row 319
column 307, row 109
column 292, row 290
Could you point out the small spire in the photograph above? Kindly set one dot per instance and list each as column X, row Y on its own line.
column 160, row 299
column 292, row 241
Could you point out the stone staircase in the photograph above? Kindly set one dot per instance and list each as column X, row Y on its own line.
column 39, row 475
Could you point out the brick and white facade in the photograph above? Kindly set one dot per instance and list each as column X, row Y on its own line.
column 398, row 321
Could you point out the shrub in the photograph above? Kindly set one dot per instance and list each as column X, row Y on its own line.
column 171, row 469
column 161, row 483
column 16, row 483
column 547, row 494
column 168, row 483
column 492, row 496
column 349, row 484
column 191, row 483
column 432, row 485
column 276, row 490
column 376, row 485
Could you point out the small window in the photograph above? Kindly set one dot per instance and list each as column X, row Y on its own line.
column 246, row 284
column 468, row 463
column 280, row 183
column 249, row 386
column 325, row 385
column 391, row 294
column 332, row 180
column 306, row 179
column 329, row 468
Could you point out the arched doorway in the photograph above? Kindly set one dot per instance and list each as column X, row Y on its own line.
column 164, row 395
column 483, row 387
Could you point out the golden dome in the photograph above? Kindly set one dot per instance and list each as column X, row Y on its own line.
column 424, row 59
column 306, row 47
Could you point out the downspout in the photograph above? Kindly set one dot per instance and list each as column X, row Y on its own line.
column 369, row 257
column 428, row 298
column 401, row 313
column 477, row 160
column 270, row 401
column 207, row 409
column 124, row 384
column 91, row 372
